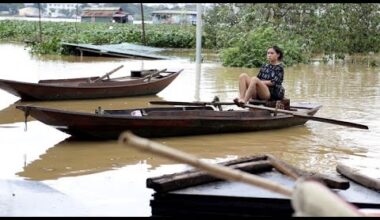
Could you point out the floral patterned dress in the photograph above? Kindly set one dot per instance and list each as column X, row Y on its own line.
column 274, row 73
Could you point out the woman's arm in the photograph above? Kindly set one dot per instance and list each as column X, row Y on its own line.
column 267, row 82
column 278, row 76
column 261, row 72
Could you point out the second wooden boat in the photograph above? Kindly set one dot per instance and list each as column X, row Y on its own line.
column 165, row 122
column 91, row 87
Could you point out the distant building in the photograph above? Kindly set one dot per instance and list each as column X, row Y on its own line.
column 27, row 5
column 174, row 17
column 110, row 14
column 96, row 5
column 50, row 7
column 56, row 9
column 28, row 12
column 5, row 12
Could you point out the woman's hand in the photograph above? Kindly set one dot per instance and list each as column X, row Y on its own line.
column 267, row 82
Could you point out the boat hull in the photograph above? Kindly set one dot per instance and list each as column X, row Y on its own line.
column 107, row 126
column 54, row 91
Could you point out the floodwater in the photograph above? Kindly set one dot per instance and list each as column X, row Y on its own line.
column 109, row 179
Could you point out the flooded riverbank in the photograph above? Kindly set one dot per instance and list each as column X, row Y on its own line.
column 109, row 179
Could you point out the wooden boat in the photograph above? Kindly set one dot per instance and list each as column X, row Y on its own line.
column 196, row 193
column 165, row 122
column 150, row 83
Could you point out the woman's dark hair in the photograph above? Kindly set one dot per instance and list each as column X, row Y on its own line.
column 278, row 51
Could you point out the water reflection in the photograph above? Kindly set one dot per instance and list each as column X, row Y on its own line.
column 11, row 115
column 73, row 157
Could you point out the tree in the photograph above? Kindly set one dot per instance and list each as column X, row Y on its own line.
column 327, row 28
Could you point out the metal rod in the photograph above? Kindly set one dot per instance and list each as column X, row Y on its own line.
column 198, row 58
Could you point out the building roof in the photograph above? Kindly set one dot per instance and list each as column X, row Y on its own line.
column 29, row 8
column 102, row 9
column 103, row 12
column 174, row 12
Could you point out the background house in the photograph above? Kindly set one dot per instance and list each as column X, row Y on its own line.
column 29, row 12
column 174, row 17
column 110, row 14
column 62, row 9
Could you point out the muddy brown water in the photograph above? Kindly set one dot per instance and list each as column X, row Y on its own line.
column 110, row 179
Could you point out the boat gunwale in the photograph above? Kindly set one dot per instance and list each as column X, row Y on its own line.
column 158, row 117
column 138, row 83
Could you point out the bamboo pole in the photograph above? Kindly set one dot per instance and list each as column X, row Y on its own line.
column 75, row 23
column 214, row 169
column 142, row 23
column 198, row 56
column 39, row 21
column 277, row 164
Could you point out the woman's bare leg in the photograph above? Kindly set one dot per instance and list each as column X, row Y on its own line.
column 256, row 89
column 251, row 91
column 244, row 81
column 262, row 90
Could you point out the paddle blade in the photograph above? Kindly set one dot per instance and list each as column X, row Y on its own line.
column 333, row 121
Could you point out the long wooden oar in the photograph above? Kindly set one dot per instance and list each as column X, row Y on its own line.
column 314, row 118
column 149, row 77
column 320, row 119
column 327, row 204
column 108, row 74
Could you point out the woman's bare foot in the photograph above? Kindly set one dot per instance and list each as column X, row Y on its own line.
column 239, row 102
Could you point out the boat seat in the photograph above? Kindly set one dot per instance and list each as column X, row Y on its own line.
column 139, row 113
column 282, row 104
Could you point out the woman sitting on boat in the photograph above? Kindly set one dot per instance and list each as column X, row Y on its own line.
column 268, row 83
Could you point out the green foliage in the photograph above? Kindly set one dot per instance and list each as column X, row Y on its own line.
column 220, row 27
column 53, row 33
column 247, row 29
column 250, row 51
column 52, row 45
column 320, row 28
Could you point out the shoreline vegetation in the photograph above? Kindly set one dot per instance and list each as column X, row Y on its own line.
column 239, row 33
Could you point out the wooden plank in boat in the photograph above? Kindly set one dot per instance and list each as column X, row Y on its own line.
column 367, row 174
column 251, row 164
column 165, row 183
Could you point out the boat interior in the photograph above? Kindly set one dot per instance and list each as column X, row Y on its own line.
column 202, row 111
column 137, row 76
